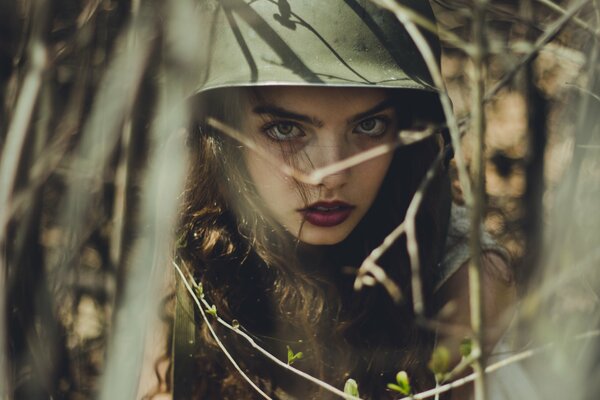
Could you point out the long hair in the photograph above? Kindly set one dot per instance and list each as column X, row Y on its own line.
column 286, row 294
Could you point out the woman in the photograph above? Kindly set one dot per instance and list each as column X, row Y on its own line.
column 301, row 87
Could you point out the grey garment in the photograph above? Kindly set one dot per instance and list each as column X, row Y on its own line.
column 512, row 381
column 456, row 251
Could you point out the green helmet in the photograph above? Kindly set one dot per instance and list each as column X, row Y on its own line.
column 309, row 42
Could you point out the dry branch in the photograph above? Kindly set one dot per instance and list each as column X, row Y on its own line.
column 201, row 308
column 435, row 72
column 316, row 176
column 251, row 341
column 411, row 234
column 576, row 20
column 515, row 358
column 544, row 39
column 480, row 54
column 9, row 163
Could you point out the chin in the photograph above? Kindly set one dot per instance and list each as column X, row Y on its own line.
column 316, row 236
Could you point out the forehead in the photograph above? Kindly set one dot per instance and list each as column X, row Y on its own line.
column 320, row 101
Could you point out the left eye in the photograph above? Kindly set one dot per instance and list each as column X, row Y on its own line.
column 372, row 127
column 282, row 131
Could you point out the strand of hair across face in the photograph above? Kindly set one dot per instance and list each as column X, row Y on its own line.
column 251, row 341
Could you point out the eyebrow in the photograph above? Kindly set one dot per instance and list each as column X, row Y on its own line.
column 280, row 112
column 384, row 105
column 283, row 113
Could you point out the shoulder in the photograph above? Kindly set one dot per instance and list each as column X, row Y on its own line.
column 497, row 281
column 497, row 262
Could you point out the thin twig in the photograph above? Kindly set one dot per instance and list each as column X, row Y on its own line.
column 403, row 138
column 495, row 367
column 444, row 34
column 251, row 341
column 435, row 72
column 550, row 287
column 157, row 206
column 542, row 41
column 584, row 90
column 584, row 132
column 471, row 377
column 87, row 13
column 17, row 131
column 370, row 272
column 480, row 54
column 102, row 130
column 122, row 171
column 411, row 234
column 463, row 364
column 216, row 337
column 317, row 175
column 548, row 35
column 9, row 162
column 576, row 20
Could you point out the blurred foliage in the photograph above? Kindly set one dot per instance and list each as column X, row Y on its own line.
column 64, row 282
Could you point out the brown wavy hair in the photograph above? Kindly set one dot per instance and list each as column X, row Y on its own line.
column 285, row 293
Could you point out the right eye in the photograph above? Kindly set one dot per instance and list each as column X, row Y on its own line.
column 282, row 131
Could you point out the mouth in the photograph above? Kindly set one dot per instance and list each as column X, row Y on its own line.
column 327, row 214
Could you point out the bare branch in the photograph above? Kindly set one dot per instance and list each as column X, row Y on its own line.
column 548, row 35
column 370, row 273
column 434, row 70
column 17, row 130
column 251, row 341
column 584, row 90
column 480, row 54
column 577, row 21
column 9, row 162
column 216, row 337
column 369, row 268
column 316, row 176
column 411, row 234
column 444, row 34
column 495, row 367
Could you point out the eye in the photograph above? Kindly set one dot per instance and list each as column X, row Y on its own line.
column 281, row 131
column 373, row 127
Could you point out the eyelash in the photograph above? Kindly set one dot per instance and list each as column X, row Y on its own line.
column 268, row 129
column 379, row 118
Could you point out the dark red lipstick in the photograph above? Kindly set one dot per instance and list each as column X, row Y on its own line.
column 327, row 213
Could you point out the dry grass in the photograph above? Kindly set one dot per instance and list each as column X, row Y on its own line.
column 90, row 126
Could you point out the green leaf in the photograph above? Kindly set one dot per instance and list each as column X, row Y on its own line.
column 293, row 357
column 440, row 360
column 351, row 387
column 403, row 382
column 199, row 290
column 466, row 346
column 212, row 310
column 395, row 388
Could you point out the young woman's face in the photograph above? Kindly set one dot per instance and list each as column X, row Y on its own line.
column 310, row 128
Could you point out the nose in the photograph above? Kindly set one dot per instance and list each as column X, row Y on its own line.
column 326, row 154
column 335, row 181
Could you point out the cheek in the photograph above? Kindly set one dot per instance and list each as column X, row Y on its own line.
column 272, row 185
column 372, row 173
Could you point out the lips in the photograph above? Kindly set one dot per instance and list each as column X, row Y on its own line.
column 327, row 214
